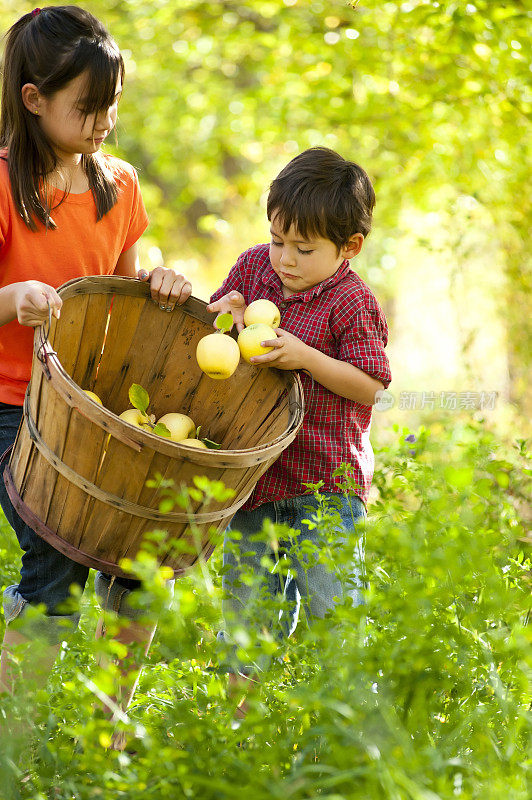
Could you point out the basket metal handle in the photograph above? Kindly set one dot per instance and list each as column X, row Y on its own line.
column 44, row 333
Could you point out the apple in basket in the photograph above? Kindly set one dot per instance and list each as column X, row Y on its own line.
column 262, row 311
column 194, row 443
column 218, row 354
column 137, row 418
column 180, row 426
column 93, row 396
column 249, row 340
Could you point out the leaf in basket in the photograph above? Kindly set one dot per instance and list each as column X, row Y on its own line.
column 211, row 445
column 224, row 322
column 139, row 397
column 197, row 431
column 166, row 505
column 161, row 430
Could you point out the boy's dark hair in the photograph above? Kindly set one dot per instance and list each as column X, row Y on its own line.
column 322, row 194
column 51, row 47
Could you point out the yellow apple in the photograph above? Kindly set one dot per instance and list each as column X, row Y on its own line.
column 136, row 417
column 93, row 396
column 262, row 311
column 180, row 426
column 249, row 340
column 217, row 355
column 194, row 443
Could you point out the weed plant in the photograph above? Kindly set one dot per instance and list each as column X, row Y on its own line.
column 422, row 693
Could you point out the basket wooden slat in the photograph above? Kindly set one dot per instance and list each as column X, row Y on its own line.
column 79, row 473
column 26, row 454
column 91, row 343
column 84, row 460
column 66, row 337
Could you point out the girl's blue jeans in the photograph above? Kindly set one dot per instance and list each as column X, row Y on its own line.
column 47, row 577
column 253, row 572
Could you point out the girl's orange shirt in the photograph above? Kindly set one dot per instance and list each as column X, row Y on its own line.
column 79, row 246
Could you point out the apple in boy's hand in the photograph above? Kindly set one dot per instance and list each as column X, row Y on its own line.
column 180, row 426
column 262, row 311
column 217, row 355
column 249, row 340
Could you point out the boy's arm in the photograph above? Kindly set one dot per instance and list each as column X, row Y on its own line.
column 337, row 376
column 343, row 379
column 229, row 297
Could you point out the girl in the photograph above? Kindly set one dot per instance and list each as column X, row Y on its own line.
column 66, row 210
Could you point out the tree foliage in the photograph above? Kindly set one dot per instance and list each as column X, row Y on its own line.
column 431, row 97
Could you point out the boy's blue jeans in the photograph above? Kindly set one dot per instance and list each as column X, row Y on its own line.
column 312, row 585
column 47, row 575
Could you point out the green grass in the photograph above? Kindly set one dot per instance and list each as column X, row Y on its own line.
column 423, row 693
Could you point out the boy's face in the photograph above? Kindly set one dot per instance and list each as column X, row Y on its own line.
column 303, row 263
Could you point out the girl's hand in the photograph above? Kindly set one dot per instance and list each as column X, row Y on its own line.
column 288, row 352
column 167, row 287
column 32, row 299
column 233, row 303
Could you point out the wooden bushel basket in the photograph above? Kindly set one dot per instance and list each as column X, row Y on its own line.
column 77, row 474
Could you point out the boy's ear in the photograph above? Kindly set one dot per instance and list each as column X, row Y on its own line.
column 31, row 97
column 353, row 246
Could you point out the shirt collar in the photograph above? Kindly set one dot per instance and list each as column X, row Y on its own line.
column 270, row 278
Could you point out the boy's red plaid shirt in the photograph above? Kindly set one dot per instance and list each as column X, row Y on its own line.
column 342, row 318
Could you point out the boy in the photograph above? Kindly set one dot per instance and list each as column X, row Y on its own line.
column 333, row 330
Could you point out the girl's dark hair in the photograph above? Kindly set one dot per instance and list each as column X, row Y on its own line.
column 322, row 194
column 50, row 48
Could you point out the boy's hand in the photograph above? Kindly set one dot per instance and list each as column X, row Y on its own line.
column 167, row 287
column 288, row 352
column 233, row 303
column 32, row 299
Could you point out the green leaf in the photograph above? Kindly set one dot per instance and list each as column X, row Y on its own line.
column 224, row 322
column 460, row 478
column 161, row 430
column 503, row 479
column 211, row 445
column 139, row 397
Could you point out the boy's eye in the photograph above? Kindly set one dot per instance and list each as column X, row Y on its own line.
column 304, row 252
column 277, row 244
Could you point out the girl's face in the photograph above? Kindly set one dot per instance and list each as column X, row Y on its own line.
column 69, row 131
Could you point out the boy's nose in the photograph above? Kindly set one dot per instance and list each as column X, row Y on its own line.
column 287, row 258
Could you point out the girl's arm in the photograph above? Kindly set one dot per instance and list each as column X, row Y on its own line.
column 28, row 302
column 128, row 262
column 167, row 286
column 339, row 377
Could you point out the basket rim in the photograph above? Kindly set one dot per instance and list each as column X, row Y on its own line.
column 129, row 434
column 131, row 287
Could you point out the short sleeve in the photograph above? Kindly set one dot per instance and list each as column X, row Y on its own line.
column 138, row 221
column 362, row 336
